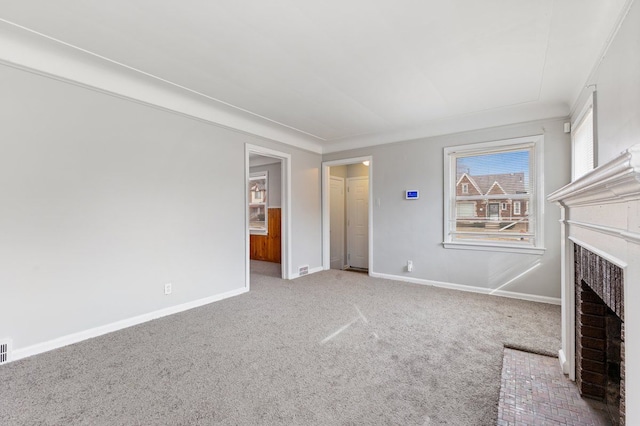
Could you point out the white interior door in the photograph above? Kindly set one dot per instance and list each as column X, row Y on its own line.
column 358, row 222
column 336, row 222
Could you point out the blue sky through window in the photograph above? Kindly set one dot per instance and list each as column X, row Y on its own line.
column 502, row 162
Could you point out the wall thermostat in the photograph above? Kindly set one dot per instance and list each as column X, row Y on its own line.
column 411, row 194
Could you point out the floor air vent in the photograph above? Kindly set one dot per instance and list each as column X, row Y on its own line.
column 303, row 270
column 5, row 348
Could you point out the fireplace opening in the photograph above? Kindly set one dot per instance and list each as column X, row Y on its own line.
column 600, row 332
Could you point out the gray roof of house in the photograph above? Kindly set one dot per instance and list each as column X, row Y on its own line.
column 511, row 183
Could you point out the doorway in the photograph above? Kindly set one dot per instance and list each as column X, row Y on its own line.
column 347, row 214
column 267, row 211
column 357, row 213
column 494, row 211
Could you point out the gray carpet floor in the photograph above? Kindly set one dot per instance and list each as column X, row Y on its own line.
column 332, row 348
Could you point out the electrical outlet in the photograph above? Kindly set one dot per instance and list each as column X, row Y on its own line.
column 167, row 288
column 409, row 266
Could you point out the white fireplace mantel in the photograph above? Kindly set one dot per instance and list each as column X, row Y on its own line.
column 601, row 212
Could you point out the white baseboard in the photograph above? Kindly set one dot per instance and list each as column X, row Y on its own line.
column 118, row 325
column 563, row 361
column 311, row 271
column 472, row 289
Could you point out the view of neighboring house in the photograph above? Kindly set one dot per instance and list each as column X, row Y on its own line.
column 492, row 201
column 257, row 203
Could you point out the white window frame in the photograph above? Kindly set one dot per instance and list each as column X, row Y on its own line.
column 576, row 123
column 536, row 175
column 465, row 188
column 516, row 208
column 255, row 176
column 503, row 206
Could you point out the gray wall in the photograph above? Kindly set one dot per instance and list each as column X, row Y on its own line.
column 618, row 91
column 413, row 230
column 105, row 200
column 275, row 182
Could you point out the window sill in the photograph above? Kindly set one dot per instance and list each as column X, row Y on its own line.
column 494, row 247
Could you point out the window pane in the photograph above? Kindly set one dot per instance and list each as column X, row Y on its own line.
column 497, row 183
column 258, row 203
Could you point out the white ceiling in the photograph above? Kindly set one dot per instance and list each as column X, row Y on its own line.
column 351, row 72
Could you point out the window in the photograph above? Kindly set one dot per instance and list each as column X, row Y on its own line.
column 258, row 213
column 465, row 188
column 583, row 140
column 516, row 207
column 502, row 173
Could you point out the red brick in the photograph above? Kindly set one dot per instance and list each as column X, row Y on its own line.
column 596, row 332
column 593, row 308
column 594, row 366
column 588, row 342
column 592, row 354
column 594, row 378
column 592, row 320
column 592, row 391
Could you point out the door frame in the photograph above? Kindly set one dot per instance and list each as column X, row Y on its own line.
column 326, row 256
column 285, row 200
column 348, row 210
column 344, row 203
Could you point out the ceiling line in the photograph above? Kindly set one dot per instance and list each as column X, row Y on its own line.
column 546, row 51
column 158, row 78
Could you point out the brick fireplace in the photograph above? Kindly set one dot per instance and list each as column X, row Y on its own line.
column 601, row 284
column 600, row 331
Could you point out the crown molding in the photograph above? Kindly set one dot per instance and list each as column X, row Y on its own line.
column 33, row 52
column 616, row 181
column 523, row 113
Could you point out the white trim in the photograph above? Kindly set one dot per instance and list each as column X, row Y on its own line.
column 499, row 186
column 342, row 182
column 612, row 182
column 519, row 208
column 459, row 124
column 326, row 255
column 564, row 365
column 488, row 246
column 119, row 325
column 31, row 51
column 614, row 232
column 25, row 49
column 285, row 200
column 607, row 256
column 473, row 182
column 471, row 289
column 568, row 296
column 295, row 275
